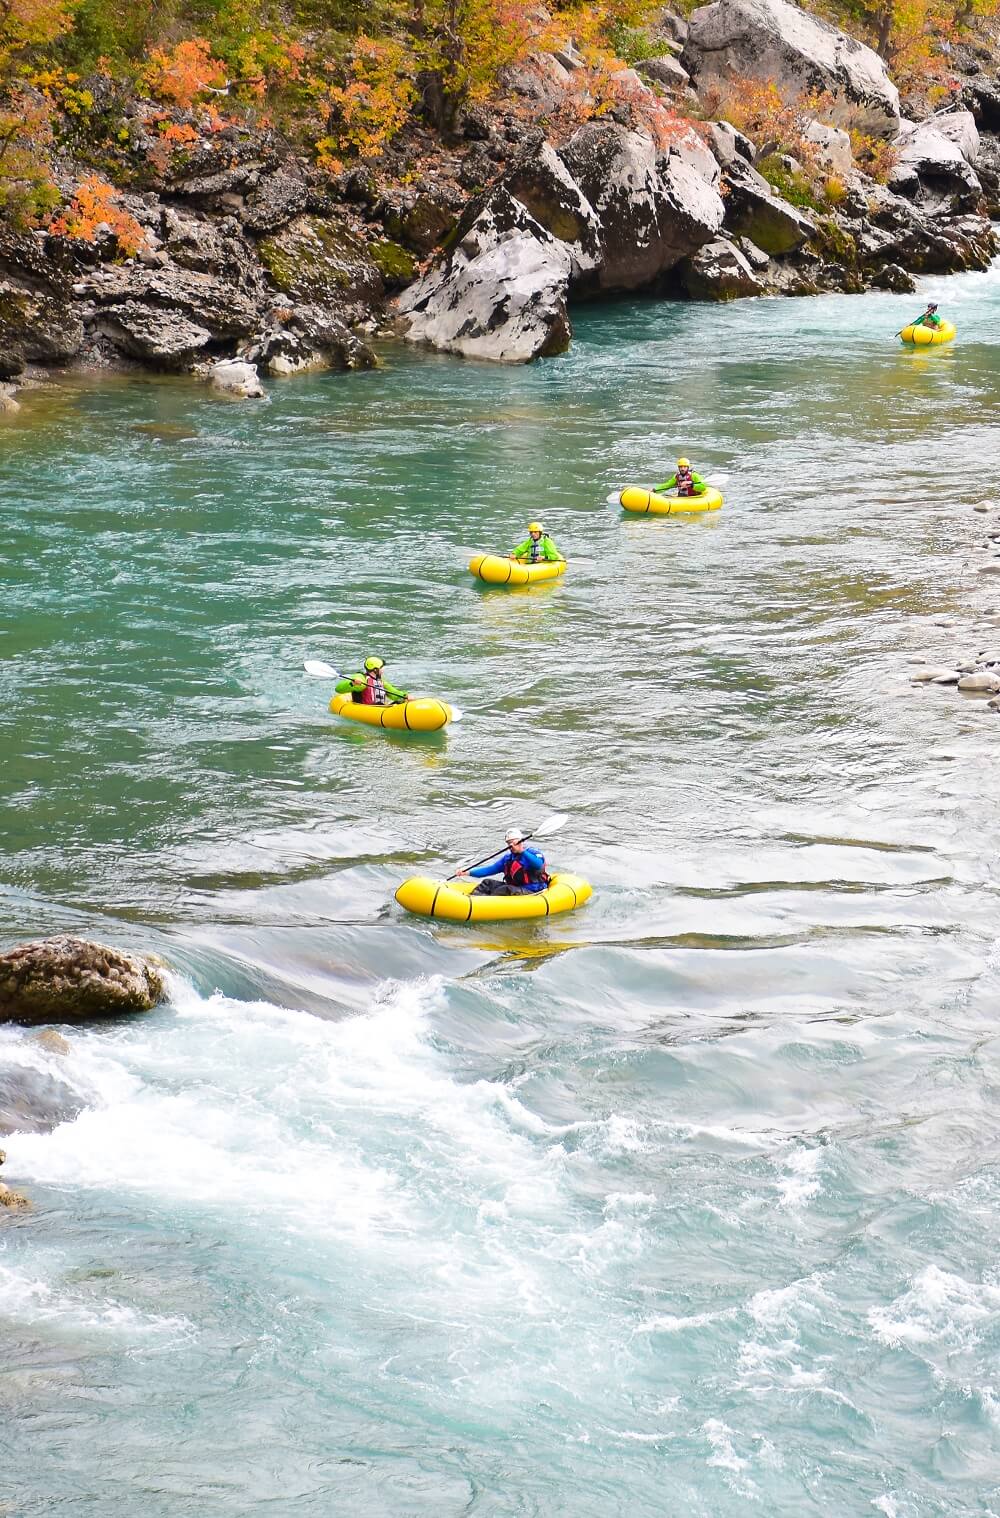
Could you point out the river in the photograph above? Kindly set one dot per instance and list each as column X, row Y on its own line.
column 684, row 1203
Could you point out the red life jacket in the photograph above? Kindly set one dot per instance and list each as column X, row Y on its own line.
column 685, row 482
column 517, row 873
column 374, row 691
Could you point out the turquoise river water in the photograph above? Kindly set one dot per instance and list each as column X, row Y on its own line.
column 683, row 1204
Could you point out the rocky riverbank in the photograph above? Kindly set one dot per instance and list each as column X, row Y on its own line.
column 480, row 244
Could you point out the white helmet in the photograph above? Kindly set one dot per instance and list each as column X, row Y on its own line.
column 514, row 835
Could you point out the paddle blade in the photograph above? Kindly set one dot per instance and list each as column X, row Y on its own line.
column 719, row 479
column 321, row 671
column 615, row 498
column 550, row 825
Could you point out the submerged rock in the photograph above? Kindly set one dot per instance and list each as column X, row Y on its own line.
column 67, row 979
column 980, row 680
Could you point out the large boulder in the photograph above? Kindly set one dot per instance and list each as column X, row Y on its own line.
column 664, row 70
column 718, row 271
column 500, row 293
column 67, row 980
column 753, row 210
column 941, row 151
column 653, row 209
column 275, row 200
column 731, row 40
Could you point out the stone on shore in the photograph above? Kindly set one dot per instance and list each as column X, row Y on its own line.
column 69, row 980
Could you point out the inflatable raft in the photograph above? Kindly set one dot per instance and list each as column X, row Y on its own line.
column 494, row 570
column 453, row 899
column 633, row 498
column 425, row 714
column 922, row 337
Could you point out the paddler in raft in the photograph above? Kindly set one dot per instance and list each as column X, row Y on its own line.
column 370, row 687
column 536, row 548
column 928, row 318
column 685, row 481
column 523, row 870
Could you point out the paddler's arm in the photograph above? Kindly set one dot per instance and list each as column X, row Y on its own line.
column 667, row 485
column 550, row 551
column 396, row 694
column 699, row 484
column 522, row 550
column 351, row 685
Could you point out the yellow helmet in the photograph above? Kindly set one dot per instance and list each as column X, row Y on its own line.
column 683, row 464
column 374, row 664
column 535, row 527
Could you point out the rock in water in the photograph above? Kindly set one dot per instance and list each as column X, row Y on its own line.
column 718, row 271
column 772, row 40
column 60, row 980
column 982, row 681
column 499, row 294
column 236, row 378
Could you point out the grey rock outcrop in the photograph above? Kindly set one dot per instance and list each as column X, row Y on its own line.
column 772, row 40
column 499, row 294
column 665, row 71
column 72, row 979
column 542, row 183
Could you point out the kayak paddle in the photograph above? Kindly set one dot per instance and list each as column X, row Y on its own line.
column 543, row 830
column 321, row 671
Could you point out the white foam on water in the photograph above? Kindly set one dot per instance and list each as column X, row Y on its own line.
column 802, row 1181
column 29, row 1302
column 720, row 1437
column 940, row 1309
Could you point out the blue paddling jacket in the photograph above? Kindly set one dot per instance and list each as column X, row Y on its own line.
column 526, row 870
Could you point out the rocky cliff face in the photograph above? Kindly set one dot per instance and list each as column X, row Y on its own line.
column 249, row 255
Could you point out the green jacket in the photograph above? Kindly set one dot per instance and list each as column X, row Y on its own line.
column 927, row 319
column 699, row 484
column 546, row 549
column 356, row 684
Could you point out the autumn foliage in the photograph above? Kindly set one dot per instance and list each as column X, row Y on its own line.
column 96, row 203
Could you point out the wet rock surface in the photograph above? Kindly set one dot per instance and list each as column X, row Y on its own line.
column 67, row 980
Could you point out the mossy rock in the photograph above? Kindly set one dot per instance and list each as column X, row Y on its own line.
column 397, row 266
column 834, row 244
column 320, row 261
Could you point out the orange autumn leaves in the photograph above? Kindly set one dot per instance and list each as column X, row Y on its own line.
column 96, row 204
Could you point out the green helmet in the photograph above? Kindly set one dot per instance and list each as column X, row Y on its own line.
column 374, row 664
